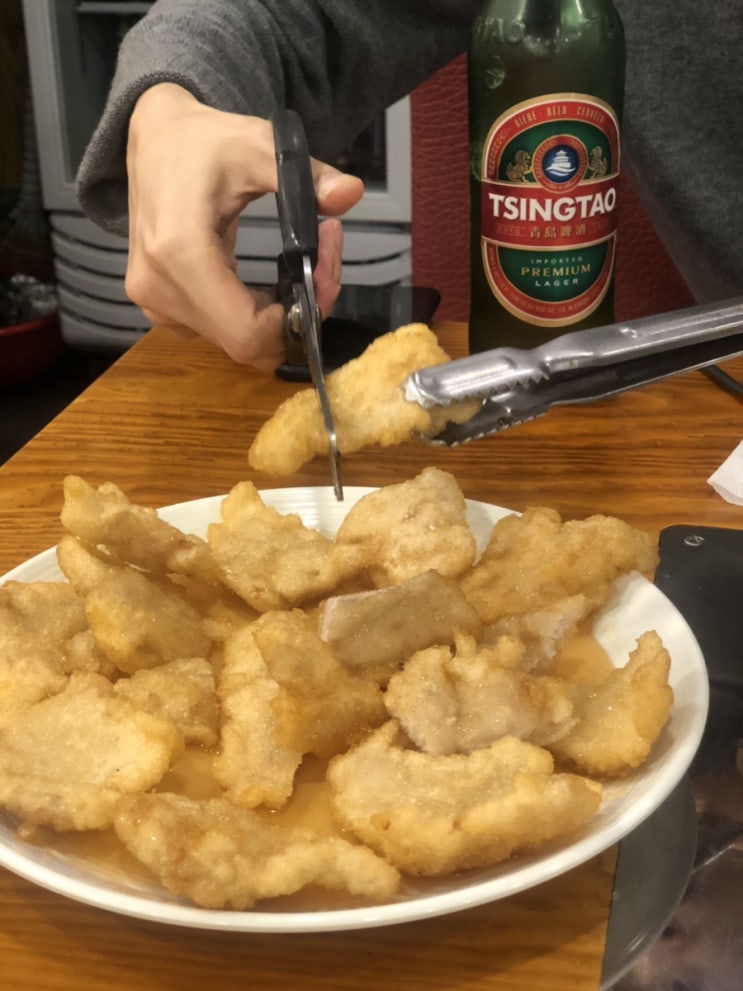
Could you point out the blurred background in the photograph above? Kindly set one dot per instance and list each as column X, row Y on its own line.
column 39, row 373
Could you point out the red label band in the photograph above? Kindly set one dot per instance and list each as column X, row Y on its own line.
column 548, row 207
column 560, row 109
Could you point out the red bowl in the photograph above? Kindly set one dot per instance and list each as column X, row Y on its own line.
column 29, row 349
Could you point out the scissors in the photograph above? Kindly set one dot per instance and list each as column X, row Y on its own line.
column 297, row 210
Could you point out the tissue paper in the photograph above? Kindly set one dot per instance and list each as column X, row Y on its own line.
column 727, row 481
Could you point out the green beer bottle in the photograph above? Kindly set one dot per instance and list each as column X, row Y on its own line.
column 545, row 85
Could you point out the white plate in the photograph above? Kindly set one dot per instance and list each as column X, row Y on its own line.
column 636, row 606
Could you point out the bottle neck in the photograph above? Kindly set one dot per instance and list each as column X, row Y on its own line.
column 545, row 29
column 545, row 18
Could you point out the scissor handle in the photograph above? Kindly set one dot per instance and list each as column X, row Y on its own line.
column 295, row 197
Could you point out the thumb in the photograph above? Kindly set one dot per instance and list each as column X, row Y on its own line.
column 336, row 191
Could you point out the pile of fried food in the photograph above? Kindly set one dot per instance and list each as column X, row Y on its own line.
column 422, row 675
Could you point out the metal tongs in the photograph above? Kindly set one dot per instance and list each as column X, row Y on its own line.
column 297, row 210
column 518, row 385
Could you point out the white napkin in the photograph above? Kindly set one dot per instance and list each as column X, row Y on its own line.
column 727, row 481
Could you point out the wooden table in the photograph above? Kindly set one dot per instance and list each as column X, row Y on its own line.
column 172, row 421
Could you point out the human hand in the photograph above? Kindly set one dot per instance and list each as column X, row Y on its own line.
column 192, row 170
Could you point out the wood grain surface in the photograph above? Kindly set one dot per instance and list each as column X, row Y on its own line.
column 172, row 420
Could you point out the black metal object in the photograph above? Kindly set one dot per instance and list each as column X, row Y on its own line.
column 694, row 941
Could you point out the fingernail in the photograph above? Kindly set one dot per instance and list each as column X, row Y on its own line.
column 328, row 182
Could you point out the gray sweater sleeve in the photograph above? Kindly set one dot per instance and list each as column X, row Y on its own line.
column 339, row 63
column 682, row 138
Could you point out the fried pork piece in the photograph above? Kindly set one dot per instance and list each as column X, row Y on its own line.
column 374, row 633
column 65, row 761
column 619, row 719
column 138, row 622
column 543, row 632
column 222, row 609
column 223, row 857
column 272, row 560
column 367, row 403
column 284, row 695
column 182, row 692
column 433, row 815
column 451, row 702
column 83, row 565
column 252, row 766
column 412, row 527
column 321, row 709
column 132, row 534
column 44, row 637
column 535, row 559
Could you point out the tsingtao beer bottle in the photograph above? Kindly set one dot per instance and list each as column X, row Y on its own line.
column 546, row 81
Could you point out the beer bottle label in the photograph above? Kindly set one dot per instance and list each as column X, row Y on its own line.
column 550, row 167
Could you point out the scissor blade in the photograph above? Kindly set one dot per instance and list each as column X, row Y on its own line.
column 310, row 316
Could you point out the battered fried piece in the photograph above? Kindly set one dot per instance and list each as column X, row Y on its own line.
column 374, row 633
column 83, row 565
column 138, row 624
column 284, row 695
column 43, row 638
column 182, row 692
column 320, row 708
column 535, row 559
column 434, row 815
column 65, row 761
column 138, row 621
column 222, row 609
column 253, row 767
column 620, row 718
column 455, row 702
column 367, row 403
column 223, row 857
column 272, row 560
column 544, row 631
column 132, row 534
column 412, row 527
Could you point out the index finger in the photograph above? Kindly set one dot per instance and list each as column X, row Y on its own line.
column 246, row 323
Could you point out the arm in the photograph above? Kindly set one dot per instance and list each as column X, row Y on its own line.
column 183, row 145
column 339, row 63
